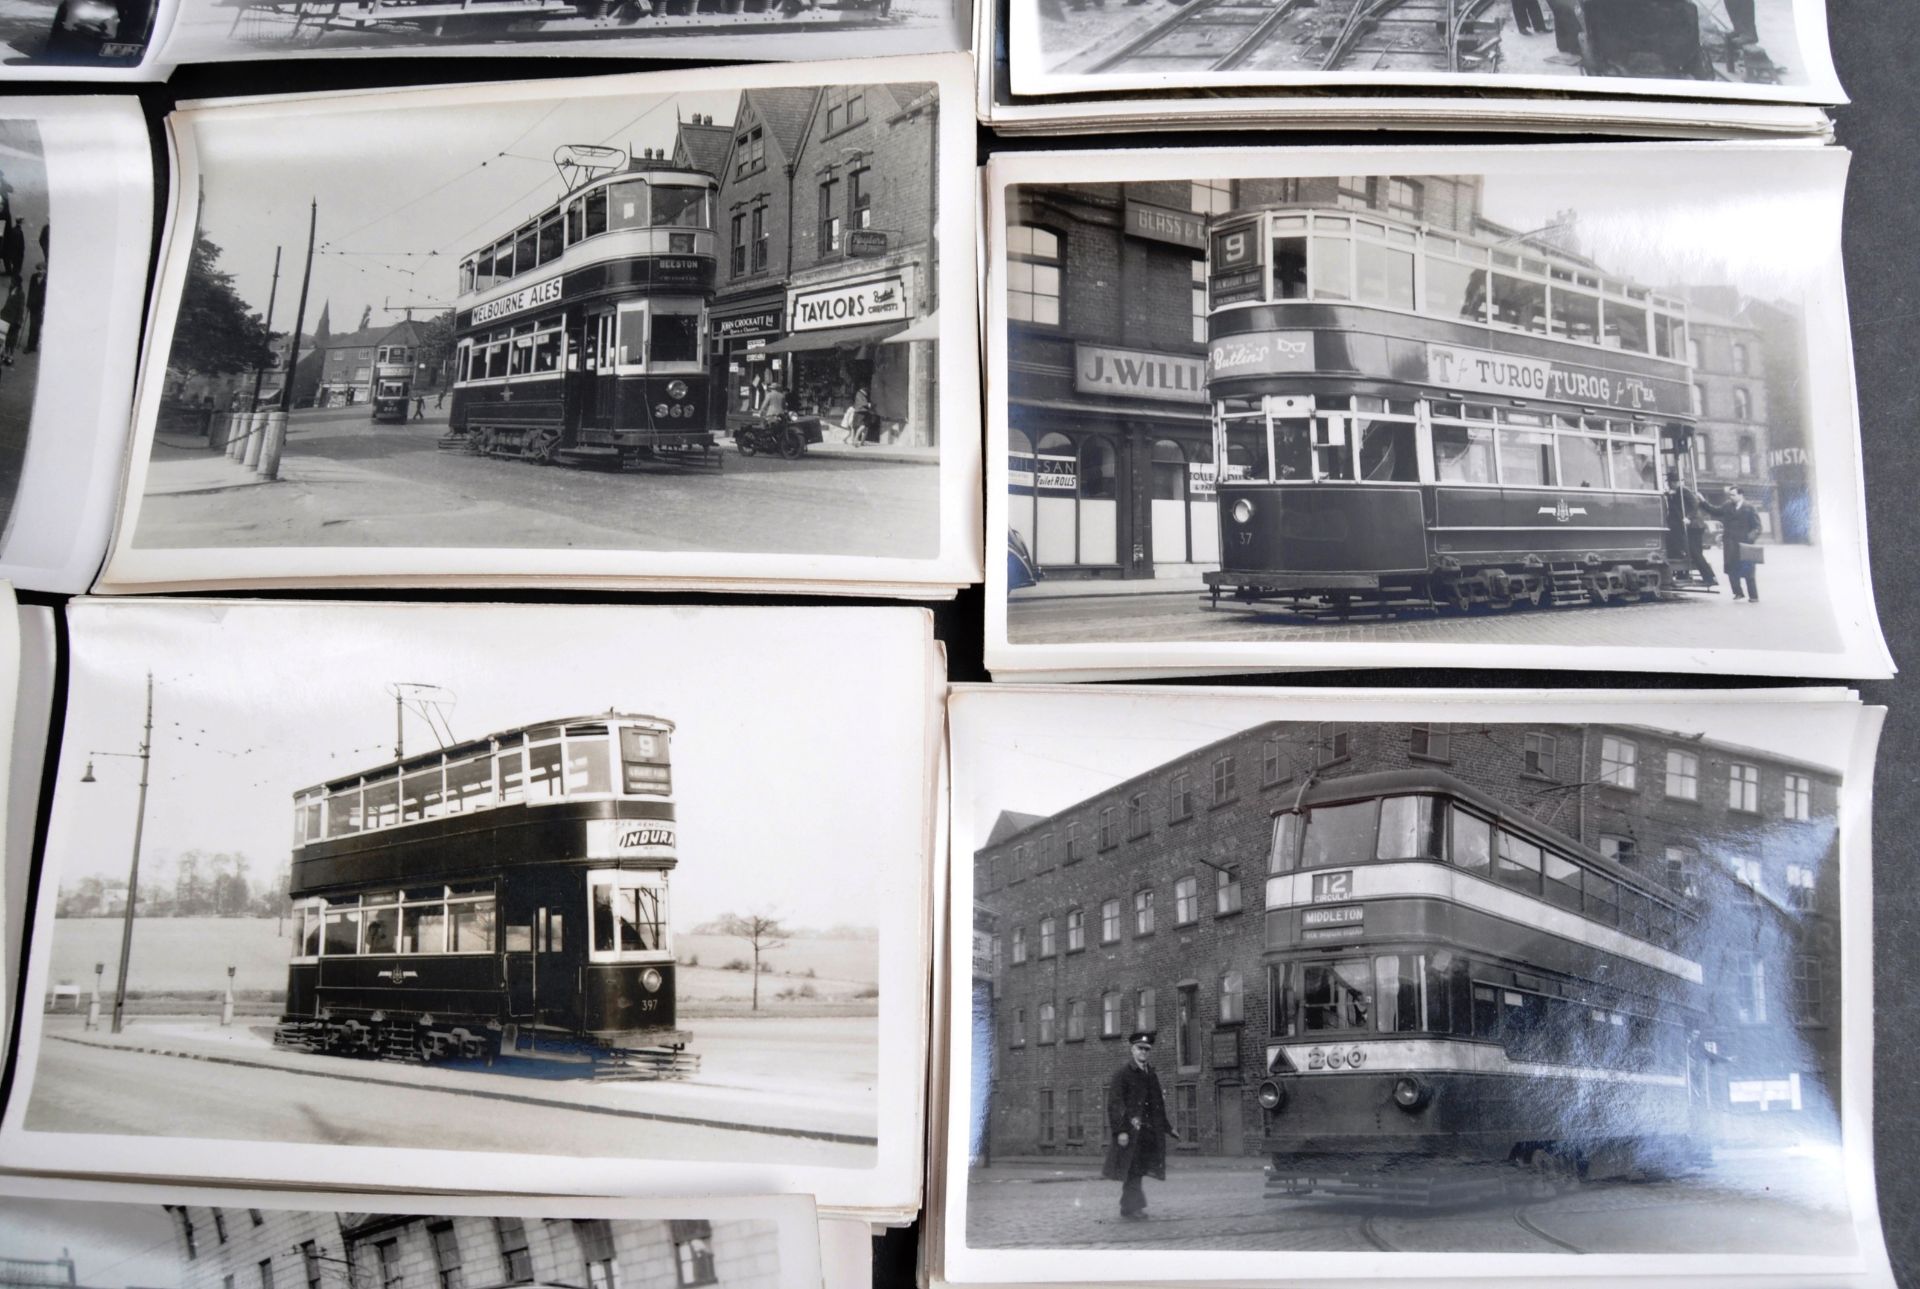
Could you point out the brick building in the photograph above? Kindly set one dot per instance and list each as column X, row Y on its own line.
column 242, row 1248
column 1747, row 400
column 1141, row 908
column 33, row 1273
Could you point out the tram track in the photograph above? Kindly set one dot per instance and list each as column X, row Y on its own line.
column 1288, row 35
column 1369, row 1231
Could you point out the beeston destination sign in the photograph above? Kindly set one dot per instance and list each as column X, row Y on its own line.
column 863, row 304
column 1514, row 376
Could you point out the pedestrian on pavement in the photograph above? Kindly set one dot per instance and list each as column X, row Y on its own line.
column 1740, row 524
column 1137, row 1127
column 440, row 399
column 36, row 307
column 1566, row 31
column 13, row 250
column 13, row 314
column 865, row 419
column 419, row 407
column 1527, row 18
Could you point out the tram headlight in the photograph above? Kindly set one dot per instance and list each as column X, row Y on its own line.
column 1410, row 1093
column 1242, row 511
column 676, row 390
column 651, row 980
column 1272, row 1097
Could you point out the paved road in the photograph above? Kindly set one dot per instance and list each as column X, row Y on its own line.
column 348, row 482
column 336, row 1102
column 1738, row 1209
column 1793, row 613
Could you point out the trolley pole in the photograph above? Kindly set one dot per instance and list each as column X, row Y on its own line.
column 273, row 294
column 277, row 423
column 133, row 869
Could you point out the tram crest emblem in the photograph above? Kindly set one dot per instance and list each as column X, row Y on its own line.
column 1561, row 511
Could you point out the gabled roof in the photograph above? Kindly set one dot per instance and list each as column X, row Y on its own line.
column 783, row 112
column 703, row 145
column 365, row 338
column 1011, row 822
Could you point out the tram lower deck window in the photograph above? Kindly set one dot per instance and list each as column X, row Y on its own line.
column 1463, row 453
column 674, row 338
column 626, row 918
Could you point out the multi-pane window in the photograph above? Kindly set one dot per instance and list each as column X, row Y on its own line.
column 1047, row 928
column 1109, row 827
column 1798, row 800
column 1186, row 1041
column 762, row 243
column 1034, row 265
column 1226, row 784
column 386, row 1255
column 1199, row 302
column 1109, row 921
column 1186, row 901
column 859, row 200
column 1017, row 1028
column 1143, row 912
column 1333, row 741
column 1109, row 1015
column 1137, row 815
column 266, row 1273
column 1619, row 762
column 1186, row 1111
column 1076, row 930
column 1076, row 1020
column 1233, row 998
column 1619, row 849
column 1743, row 787
column 446, row 1255
column 1180, row 797
column 1800, row 886
column 1046, row 1115
column 596, row 1250
column 846, row 107
column 1212, row 196
column 829, row 217
column 1143, row 1011
column 1682, row 867
column 1742, row 404
column 1046, row 1022
column 750, row 152
column 1272, row 768
column 1683, row 775
column 1076, row 841
column 1540, row 754
column 1226, row 893
column 1430, row 741
column 1019, row 945
column 514, row 1253
column 693, row 1252
column 737, row 260
column 1076, row 1115
column 310, row 1264
column 1808, row 989
column 1746, row 871
column 1750, row 989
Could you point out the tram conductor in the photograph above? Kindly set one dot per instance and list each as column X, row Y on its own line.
column 1137, row 1127
column 1740, row 526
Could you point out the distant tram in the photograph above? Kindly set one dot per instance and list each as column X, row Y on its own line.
column 582, row 334
column 1405, row 418
column 1451, row 982
column 505, row 895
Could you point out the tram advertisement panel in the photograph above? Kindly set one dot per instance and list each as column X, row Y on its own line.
column 1452, row 419
column 1358, row 978
column 566, row 887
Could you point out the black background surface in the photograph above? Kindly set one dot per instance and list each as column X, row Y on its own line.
column 1875, row 45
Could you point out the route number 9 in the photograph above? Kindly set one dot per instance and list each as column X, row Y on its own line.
column 1231, row 249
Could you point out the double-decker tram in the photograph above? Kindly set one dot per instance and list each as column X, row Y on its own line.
column 506, row 895
column 582, row 333
column 1410, row 419
column 1452, row 984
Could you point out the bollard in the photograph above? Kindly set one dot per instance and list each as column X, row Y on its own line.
column 275, row 438
column 226, row 1006
column 93, row 1004
column 256, row 434
column 236, row 437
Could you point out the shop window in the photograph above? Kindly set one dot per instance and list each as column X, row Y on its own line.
column 1034, row 265
column 1099, row 479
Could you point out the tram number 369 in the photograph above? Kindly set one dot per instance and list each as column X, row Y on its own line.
column 1319, row 1059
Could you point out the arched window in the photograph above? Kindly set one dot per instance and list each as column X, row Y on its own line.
column 1033, row 275
column 1169, row 471
column 1098, row 470
column 1742, row 404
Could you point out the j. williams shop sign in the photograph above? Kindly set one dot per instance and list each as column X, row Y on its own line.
column 1103, row 369
column 863, row 304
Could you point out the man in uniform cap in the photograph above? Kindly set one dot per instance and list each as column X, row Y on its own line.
column 1137, row 1127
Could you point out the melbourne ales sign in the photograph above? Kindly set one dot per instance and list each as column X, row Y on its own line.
column 1136, row 373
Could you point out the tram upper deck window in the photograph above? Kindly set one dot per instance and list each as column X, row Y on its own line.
column 1519, row 302
column 421, row 793
column 470, row 783
column 1472, row 843
column 1623, row 325
column 1332, row 258
column 1576, row 313
column 1383, row 265
column 1289, row 257
column 589, row 759
column 680, row 206
column 1563, row 882
column 466, row 276
column 551, row 241
column 381, row 802
column 1339, row 834
column 575, row 223
column 1411, row 828
column 627, row 204
column 526, row 246
column 512, row 759
column 1669, row 336
column 1286, row 843
column 643, row 760
column 595, row 207
column 1526, row 458
column 1603, row 898
column 543, row 764
column 1518, row 863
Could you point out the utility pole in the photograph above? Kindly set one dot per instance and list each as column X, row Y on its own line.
column 273, row 294
column 277, row 423
column 133, row 869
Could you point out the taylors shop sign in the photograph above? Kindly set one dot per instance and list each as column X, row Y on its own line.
column 882, row 300
column 527, row 297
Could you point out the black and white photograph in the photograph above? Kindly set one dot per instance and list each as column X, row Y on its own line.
column 1540, row 407
column 1757, row 50
column 682, row 329
column 1370, row 977
column 61, row 1235
column 575, row 899
column 69, row 327
column 92, row 40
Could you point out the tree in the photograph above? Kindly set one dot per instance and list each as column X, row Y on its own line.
column 216, row 334
column 436, row 344
column 763, row 933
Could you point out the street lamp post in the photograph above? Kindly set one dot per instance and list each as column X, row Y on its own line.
column 133, row 868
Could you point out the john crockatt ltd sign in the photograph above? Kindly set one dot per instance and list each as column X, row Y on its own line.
column 1512, row 375
column 761, row 322
column 1261, row 353
column 881, row 300
column 527, row 297
column 1103, row 369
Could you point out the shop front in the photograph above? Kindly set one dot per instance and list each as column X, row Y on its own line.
column 742, row 367
column 865, row 329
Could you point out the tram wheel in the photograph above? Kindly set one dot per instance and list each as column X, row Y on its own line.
column 541, row 449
